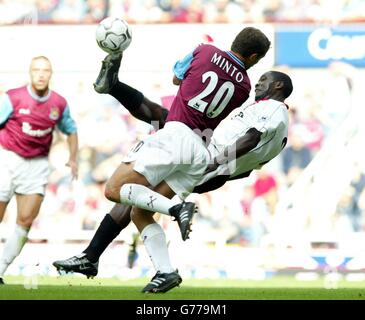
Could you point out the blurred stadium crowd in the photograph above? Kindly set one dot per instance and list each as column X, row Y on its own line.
column 241, row 212
column 182, row 11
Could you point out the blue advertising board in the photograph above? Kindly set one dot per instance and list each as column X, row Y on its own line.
column 312, row 47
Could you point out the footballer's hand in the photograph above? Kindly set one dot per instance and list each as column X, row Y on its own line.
column 74, row 168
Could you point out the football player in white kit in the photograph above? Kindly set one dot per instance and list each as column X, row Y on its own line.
column 247, row 139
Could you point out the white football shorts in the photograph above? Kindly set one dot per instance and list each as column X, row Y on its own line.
column 174, row 154
column 21, row 175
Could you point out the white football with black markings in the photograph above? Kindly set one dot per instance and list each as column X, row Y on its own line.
column 113, row 35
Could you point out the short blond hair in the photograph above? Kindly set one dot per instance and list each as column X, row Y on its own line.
column 40, row 58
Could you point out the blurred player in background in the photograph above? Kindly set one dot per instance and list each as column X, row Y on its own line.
column 28, row 117
column 212, row 83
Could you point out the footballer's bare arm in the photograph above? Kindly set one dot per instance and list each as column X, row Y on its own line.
column 242, row 146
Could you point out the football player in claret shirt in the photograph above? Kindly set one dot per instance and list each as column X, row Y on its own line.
column 259, row 133
column 28, row 117
column 212, row 83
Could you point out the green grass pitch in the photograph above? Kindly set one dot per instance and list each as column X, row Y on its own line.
column 277, row 288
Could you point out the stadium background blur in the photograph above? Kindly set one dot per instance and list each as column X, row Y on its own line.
column 302, row 214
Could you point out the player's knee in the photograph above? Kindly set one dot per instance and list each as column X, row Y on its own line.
column 135, row 217
column 25, row 222
column 112, row 192
column 141, row 216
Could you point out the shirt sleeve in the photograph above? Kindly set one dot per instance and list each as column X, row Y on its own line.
column 181, row 66
column 67, row 125
column 6, row 108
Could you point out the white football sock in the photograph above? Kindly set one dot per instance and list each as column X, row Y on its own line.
column 154, row 240
column 145, row 198
column 12, row 247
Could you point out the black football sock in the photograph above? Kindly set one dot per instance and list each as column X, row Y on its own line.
column 104, row 235
column 139, row 106
column 129, row 97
